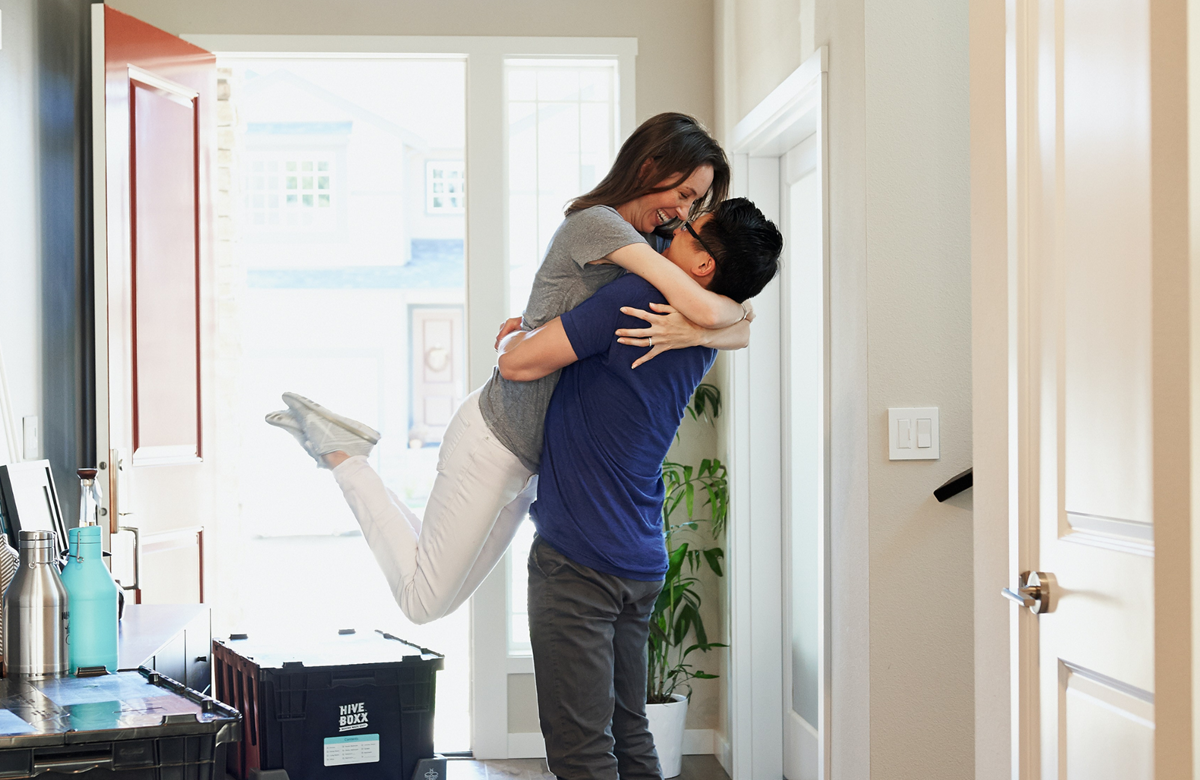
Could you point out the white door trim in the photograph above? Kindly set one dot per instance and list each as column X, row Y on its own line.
column 486, row 262
column 991, row 341
column 794, row 111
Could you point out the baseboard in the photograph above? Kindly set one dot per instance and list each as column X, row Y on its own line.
column 723, row 752
column 696, row 742
column 526, row 745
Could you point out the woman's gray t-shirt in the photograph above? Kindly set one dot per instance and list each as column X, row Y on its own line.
column 516, row 411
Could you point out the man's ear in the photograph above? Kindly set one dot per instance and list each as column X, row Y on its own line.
column 706, row 267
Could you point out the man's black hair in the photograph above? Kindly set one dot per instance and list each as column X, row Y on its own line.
column 748, row 245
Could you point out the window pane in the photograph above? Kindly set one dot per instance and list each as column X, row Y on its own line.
column 561, row 142
column 557, row 83
column 343, row 301
column 596, row 84
column 442, row 177
column 522, row 84
column 562, row 120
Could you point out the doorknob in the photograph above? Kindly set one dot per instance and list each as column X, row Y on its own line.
column 137, row 558
column 1035, row 590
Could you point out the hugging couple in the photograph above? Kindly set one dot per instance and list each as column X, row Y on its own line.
column 572, row 428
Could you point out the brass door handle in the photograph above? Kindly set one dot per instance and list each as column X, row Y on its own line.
column 1035, row 591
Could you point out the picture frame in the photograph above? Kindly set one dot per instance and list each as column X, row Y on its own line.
column 29, row 502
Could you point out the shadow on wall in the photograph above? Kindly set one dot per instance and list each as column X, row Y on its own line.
column 65, row 173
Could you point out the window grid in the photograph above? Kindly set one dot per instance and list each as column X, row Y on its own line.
column 290, row 191
column 445, row 187
column 562, row 137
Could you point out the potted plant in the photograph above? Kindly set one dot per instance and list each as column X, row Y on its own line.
column 676, row 626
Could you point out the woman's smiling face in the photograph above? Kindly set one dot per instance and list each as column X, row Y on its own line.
column 656, row 208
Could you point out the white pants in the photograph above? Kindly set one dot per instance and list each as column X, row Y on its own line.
column 480, row 496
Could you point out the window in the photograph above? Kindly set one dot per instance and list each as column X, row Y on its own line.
column 289, row 190
column 445, row 187
column 328, row 304
column 562, row 137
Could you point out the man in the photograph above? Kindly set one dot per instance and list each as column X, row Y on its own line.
column 597, row 565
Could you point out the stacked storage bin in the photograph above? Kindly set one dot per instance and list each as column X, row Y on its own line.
column 340, row 707
column 125, row 726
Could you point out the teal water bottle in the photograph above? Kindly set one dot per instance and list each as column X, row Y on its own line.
column 91, row 591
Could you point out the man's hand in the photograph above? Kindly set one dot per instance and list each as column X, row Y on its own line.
column 526, row 355
column 507, row 327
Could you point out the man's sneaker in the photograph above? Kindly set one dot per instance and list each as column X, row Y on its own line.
column 287, row 421
column 326, row 431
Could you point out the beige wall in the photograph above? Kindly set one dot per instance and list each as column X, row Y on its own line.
column 674, row 66
column 901, row 324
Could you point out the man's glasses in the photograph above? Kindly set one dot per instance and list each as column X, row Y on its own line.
column 688, row 227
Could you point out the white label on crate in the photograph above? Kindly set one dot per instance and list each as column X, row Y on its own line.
column 359, row 749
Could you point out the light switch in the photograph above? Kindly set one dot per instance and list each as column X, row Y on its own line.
column 924, row 432
column 913, row 433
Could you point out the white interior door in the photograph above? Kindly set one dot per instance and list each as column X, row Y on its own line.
column 804, row 415
column 1090, row 256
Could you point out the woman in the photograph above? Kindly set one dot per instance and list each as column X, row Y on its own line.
column 668, row 169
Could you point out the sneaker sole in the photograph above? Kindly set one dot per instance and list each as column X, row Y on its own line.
column 354, row 426
column 283, row 420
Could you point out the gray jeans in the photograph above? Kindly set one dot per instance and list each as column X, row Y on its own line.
column 589, row 633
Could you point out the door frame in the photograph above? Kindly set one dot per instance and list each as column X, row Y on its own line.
column 486, row 279
column 759, row 668
column 995, row 624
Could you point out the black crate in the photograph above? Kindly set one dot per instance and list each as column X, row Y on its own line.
column 350, row 706
column 126, row 726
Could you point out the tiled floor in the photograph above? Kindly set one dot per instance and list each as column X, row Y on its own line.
column 694, row 768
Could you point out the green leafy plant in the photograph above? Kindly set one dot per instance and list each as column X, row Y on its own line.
column 676, row 617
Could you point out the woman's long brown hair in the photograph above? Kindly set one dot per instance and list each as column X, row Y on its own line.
column 675, row 145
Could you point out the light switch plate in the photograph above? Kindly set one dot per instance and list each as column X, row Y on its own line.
column 913, row 433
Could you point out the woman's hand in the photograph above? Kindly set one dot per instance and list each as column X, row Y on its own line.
column 668, row 330
column 507, row 327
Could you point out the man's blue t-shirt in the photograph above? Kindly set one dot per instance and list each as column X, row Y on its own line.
column 608, row 428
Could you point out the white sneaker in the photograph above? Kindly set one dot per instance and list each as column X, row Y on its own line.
column 287, row 421
column 326, row 431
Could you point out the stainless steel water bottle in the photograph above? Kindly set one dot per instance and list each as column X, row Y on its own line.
column 10, row 561
column 35, row 612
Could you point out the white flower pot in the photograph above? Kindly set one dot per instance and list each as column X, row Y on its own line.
column 666, row 724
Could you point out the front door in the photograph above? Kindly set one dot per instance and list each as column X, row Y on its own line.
column 1093, row 251
column 153, row 100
